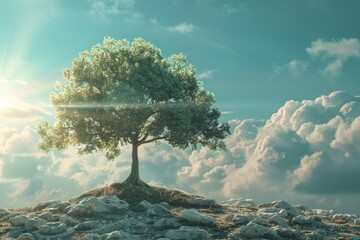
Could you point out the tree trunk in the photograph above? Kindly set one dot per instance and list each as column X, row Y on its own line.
column 134, row 177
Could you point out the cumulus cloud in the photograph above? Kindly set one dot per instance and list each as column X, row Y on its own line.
column 294, row 67
column 206, row 74
column 240, row 8
column 334, row 52
column 182, row 28
column 108, row 8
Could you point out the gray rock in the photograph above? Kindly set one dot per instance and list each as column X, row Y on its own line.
column 195, row 217
column 116, row 235
column 271, row 211
column 357, row 221
column 91, row 236
column 238, row 218
column 26, row 236
column 253, row 230
column 121, row 224
column 68, row 221
column 287, row 233
column 48, row 217
column 302, row 220
column 188, row 233
column 47, row 204
column 4, row 213
column 88, row 225
column 203, row 203
column 155, row 209
column 34, row 223
column 19, row 220
column 344, row 218
column 52, row 228
column 239, row 202
column 260, row 221
column 93, row 206
column 164, row 223
column 292, row 211
column 279, row 221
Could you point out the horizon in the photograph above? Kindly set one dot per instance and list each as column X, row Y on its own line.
column 285, row 75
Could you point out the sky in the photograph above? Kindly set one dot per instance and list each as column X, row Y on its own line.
column 285, row 74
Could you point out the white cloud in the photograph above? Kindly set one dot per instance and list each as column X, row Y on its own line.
column 182, row 28
column 206, row 74
column 107, row 8
column 294, row 67
column 240, row 8
column 335, row 52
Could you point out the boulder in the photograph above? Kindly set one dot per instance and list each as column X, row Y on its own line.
column 238, row 219
column 239, row 202
column 116, row 235
column 48, row 217
column 195, row 217
column 94, row 206
column 349, row 218
column 253, row 230
column 26, row 236
column 68, row 221
column 88, row 225
column 188, row 233
column 52, row 228
column 202, row 203
column 164, row 223
column 357, row 221
column 271, row 211
column 19, row 220
column 287, row 233
column 260, row 221
column 155, row 209
column 4, row 213
column 276, row 219
column 292, row 211
column 121, row 224
column 34, row 223
column 302, row 220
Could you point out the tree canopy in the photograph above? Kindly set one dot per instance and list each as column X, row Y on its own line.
column 123, row 93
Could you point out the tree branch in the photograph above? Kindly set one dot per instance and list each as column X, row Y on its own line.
column 152, row 140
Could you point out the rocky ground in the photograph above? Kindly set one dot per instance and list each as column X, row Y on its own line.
column 119, row 212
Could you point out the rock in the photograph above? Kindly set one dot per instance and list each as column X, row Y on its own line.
column 48, row 217
column 164, row 223
column 91, row 236
column 287, row 233
column 93, row 206
column 239, row 202
column 188, row 233
column 68, row 221
column 292, row 211
column 260, row 221
column 195, row 217
column 116, row 235
column 47, row 204
column 88, row 225
column 357, row 221
column 121, row 224
column 4, row 213
column 276, row 219
column 271, row 211
column 349, row 218
column 238, row 218
column 322, row 212
column 302, row 220
column 203, row 203
column 34, row 223
column 19, row 220
column 26, row 236
column 154, row 209
column 52, row 228
column 253, row 230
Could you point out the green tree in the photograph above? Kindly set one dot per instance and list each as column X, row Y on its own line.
column 122, row 93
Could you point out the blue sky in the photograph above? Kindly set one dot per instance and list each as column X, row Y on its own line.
column 260, row 58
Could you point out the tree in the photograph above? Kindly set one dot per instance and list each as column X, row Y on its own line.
column 122, row 93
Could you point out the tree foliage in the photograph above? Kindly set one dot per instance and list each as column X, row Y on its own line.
column 127, row 93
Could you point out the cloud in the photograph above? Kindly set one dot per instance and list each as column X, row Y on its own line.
column 294, row 67
column 206, row 74
column 182, row 28
column 231, row 9
column 107, row 8
column 334, row 52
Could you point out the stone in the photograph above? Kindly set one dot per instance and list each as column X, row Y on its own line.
column 88, row 225
column 47, row 204
column 91, row 236
column 116, row 235
column 253, row 230
column 94, row 206
column 276, row 219
column 195, row 217
column 154, row 209
column 260, row 221
column 203, row 203
column 287, row 233
column 302, row 220
column 48, row 217
column 357, row 221
column 164, row 223
column 121, row 224
column 19, row 220
column 52, row 228
column 271, row 211
column 238, row 219
column 292, row 211
column 34, row 223
column 4, row 213
column 26, row 236
column 188, row 233
column 239, row 202
column 68, row 221
column 349, row 218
